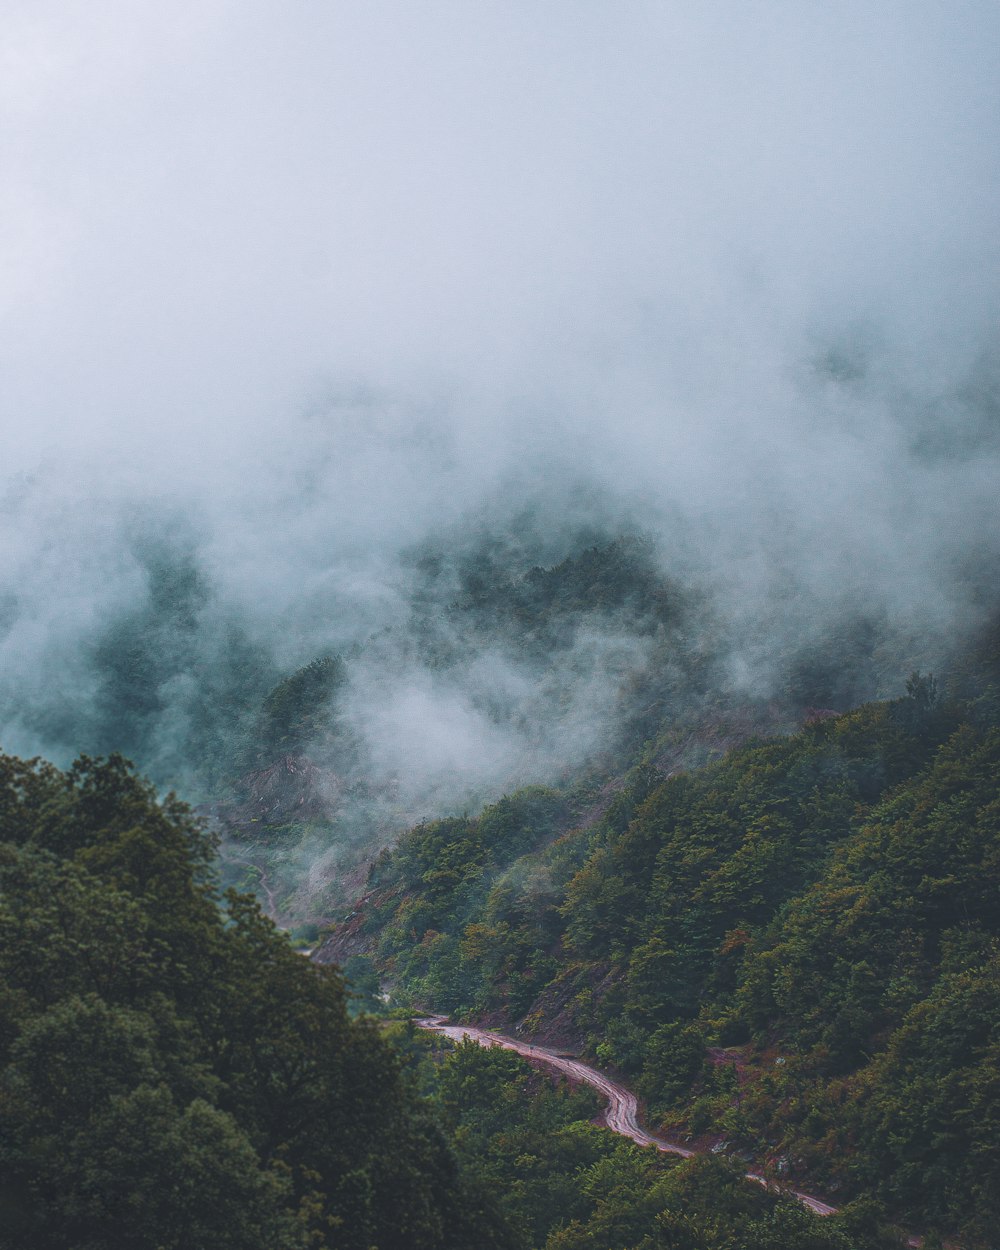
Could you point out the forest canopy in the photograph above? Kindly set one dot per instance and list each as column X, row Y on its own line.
column 172, row 1074
column 793, row 952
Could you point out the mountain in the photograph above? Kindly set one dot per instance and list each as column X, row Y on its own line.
column 498, row 671
column 792, row 950
column 771, row 909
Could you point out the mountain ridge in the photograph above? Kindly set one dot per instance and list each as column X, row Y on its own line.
column 574, row 939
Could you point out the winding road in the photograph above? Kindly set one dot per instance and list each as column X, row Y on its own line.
column 622, row 1113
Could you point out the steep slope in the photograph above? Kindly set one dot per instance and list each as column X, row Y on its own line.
column 794, row 950
column 172, row 1074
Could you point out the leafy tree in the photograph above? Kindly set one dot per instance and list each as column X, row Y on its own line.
column 172, row 1074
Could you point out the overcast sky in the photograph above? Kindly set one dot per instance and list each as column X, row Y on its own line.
column 316, row 276
column 213, row 211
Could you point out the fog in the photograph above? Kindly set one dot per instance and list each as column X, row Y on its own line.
column 290, row 295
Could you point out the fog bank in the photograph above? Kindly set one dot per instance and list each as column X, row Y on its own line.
column 290, row 298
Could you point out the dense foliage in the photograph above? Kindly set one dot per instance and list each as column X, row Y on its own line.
column 172, row 1075
column 794, row 950
column 456, row 879
column 565, row 1184
column 298, row 709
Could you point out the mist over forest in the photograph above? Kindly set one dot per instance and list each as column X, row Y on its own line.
column 500, row 499
column 365, row 339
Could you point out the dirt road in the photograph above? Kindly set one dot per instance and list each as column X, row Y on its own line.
column 622, row 1113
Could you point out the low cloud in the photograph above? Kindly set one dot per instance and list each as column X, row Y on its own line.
column 292, row 299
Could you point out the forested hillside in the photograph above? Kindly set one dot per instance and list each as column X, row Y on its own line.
column 511, row 470
column 793, row 950
column 499, row 671
column 172, row 1075
column 565, row 1184
column 553, row 667
column 788, row 944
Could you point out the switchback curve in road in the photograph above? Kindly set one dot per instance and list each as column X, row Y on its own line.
column 622, row 1113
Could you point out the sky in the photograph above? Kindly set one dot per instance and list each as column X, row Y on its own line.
column 298, row 285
